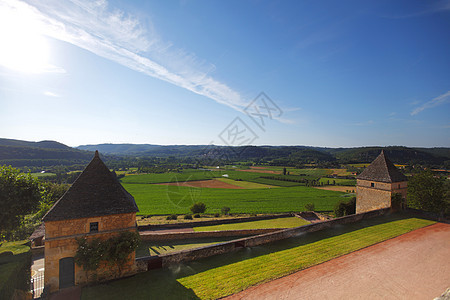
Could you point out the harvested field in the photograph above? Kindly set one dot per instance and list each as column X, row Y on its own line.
column 337, row 188
column 212, row 183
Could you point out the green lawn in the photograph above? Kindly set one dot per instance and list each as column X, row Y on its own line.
column 272, row 223
column 246, row 184
column 15, row 247
column 147, row 248
column 222, row 275
column 159, row 199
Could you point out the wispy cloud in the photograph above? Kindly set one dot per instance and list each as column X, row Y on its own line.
column 439, row 100
column 51, row 94
column 121, row 37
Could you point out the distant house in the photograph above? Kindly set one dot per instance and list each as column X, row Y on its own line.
column 95, row 206
column 377, row 183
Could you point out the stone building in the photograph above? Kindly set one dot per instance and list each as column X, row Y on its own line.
column 95, row 206
column 377, row 183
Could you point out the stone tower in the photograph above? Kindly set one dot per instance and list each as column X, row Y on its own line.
column 95, row 206
column 377, row 183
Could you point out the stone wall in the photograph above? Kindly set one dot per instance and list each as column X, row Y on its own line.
column 146, row 263
column 378, row 196
column 155, row 236
column 60, row 242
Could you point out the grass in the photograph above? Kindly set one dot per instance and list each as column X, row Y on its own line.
column 14, row 267
column 147, row 248
column 17, row 247
column 246, row 184
column 222, row 275
column 272, row 223
column 42, row 174
column 158, row 199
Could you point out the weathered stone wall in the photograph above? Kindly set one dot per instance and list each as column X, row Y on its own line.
column 155, row 236
column 370, row 197
column 60, row 242
column 146, row 263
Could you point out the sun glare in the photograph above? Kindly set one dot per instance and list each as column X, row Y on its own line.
column 23, row 48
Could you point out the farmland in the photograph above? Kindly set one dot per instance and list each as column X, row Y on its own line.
column 157, row 199
column 256, row 193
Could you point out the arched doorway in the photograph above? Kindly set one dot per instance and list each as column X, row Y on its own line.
column 66, row 272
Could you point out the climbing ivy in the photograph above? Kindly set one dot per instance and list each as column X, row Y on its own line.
column 113, row 251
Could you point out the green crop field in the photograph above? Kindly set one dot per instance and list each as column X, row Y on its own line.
column 245, row 184
column 272, row 223
column 226, row 274
column 158, row 199
column 187, row 175
column 338, row 181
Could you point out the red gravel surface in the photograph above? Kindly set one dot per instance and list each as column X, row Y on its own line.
column 415, row 265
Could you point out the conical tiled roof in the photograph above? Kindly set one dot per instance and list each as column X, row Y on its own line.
column 96, row 192
column 382, row 170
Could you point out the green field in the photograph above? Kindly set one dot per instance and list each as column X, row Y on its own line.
column 338, row 181
column 42, row 174
column 225, row 274
column 245, row 184
column 159, row 199
column 272, row 223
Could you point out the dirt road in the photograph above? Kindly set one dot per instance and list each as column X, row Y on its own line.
column 415, row 265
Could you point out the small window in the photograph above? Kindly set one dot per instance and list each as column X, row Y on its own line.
column 372, row 184
column 93, row 227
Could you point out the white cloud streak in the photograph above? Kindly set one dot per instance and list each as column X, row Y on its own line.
column 120, row 37
column 439, row 100
column 51, row 94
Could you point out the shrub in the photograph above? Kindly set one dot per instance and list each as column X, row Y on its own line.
column 226, row 210
column 198, row 208
column 345, row 208
column 216, row 215
column 188, row 217
column 172, row 217
column 196, row 216
column 309, row 207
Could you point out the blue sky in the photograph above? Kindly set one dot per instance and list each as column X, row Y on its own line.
column 332, row 73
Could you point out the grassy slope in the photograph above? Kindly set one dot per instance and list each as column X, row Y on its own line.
column 226, row 274
column 272, row 223
column 157, row 199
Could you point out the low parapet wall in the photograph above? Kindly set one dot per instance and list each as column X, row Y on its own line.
column 211, row 222
column 151, row 262
column 155, row 236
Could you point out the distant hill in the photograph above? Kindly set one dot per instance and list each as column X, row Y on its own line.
column 42, row 144
column 49, row 153
column 397, row 154
column 120, row 149
column 45, row 153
